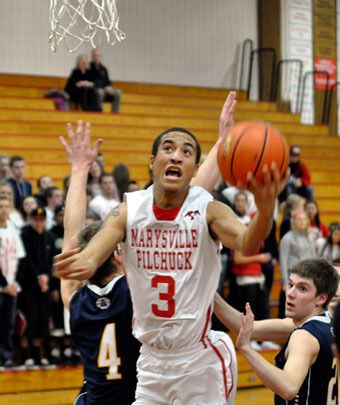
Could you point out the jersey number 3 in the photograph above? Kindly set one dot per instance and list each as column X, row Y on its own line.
column 107, row 356
column 167, row 296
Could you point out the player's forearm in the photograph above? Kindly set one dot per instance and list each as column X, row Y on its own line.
column 75, row 207
column 228, row 315
column 273, row 378
column 256, row 232
column 208, row 174
column 239, row 258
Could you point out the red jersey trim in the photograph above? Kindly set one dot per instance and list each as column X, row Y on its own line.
column 207, row 320
column 165, row 215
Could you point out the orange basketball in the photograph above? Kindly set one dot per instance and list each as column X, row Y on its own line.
column 248, row 146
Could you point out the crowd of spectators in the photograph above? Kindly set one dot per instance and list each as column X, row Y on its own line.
column 31, row 234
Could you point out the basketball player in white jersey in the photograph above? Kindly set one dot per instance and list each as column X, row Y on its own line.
column 170, row 234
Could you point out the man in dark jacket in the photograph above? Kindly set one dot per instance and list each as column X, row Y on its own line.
column 102, row 82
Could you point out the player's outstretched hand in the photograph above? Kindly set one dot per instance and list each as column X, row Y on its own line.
column 78, row 148
column 70, row 265
column 227, row 115
column 246, row 330
column 265, row 194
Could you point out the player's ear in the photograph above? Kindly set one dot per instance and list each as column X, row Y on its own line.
column 322, row 298
column 151, row 162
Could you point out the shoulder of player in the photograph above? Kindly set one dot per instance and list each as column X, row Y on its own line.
column 301, row 340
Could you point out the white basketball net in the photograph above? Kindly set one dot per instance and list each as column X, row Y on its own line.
column 78, row 21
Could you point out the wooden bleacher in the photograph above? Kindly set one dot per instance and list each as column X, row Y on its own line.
column 30, row 126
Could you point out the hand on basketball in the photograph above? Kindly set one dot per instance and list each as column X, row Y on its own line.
column 227, row 115
column 71, row 266
column 78, row 149
column 265, row 194
column 246, row 330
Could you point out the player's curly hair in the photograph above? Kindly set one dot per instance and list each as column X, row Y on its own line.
column 323, row 274
column 108, row 267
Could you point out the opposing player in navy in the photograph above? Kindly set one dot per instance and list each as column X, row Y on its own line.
column 304, row 371
column 172, row 263
column 100, row 311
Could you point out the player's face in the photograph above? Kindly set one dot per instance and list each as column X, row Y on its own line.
column 336, row 298
column 301, row 298
column 175, row 163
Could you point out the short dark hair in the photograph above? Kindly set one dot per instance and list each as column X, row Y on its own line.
column 49, row 191
column 105, row 175
column 323, row 274
column 14, row 159
column 108, row 267
column 157, row 141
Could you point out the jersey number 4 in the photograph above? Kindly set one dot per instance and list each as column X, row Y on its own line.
column 167, row 296
column 107, row 356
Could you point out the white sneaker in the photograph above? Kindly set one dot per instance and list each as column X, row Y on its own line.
column 268, row 345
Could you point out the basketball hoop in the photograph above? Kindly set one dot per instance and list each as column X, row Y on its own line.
column 79, row 21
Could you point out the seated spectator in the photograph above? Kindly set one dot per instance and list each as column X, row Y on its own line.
column 35, row 275
column 240, row 207
column 230, row 192
column 329, row 247
column 300, row 179
column 43, row 183
column 121, row 175
column 109, row 198
column 319, row 230
column 133, row 186
column 11, row 251
column 21, row 187
column 15, row 220
column 293, row 203
column 93, row 178
column 102, row 81
column 80, row 87
column 29, row 204
column 4, row 167
column 296, row 245
column 54, row 198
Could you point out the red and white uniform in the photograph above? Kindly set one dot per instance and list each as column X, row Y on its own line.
column 173, row 269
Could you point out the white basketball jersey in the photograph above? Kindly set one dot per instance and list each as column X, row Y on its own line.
column 173, row 270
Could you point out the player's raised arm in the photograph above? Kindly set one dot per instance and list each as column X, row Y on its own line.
column 80, row 156
column 208, row 174
column 277, row 329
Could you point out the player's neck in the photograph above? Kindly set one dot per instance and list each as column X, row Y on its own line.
column 317, row 311
column 167, row 199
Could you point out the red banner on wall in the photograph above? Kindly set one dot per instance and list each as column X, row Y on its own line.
column 324, row 65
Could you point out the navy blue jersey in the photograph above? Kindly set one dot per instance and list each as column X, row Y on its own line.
column 320, row 384
column 100, row 321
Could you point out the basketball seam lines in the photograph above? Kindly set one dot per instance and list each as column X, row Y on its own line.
column 234, row 151
column 262, row 151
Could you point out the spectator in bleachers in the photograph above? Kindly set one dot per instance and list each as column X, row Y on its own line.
column 80, row 87
column 102, row 81
column 28, row 205
column 300, row 179
column 15, row 218
column 109, row 198
column 54, row 198
column 4, row 167
column 329, row 247
column 21, row 187
column 296, row 245
column 101, row 160
column 133, row 186
column 93, row 179
column 121, row 174
column 43, row 183
column 35, row 276
column 319, row 230
column 293, row 203
column 11, row 251
column 230, row 192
